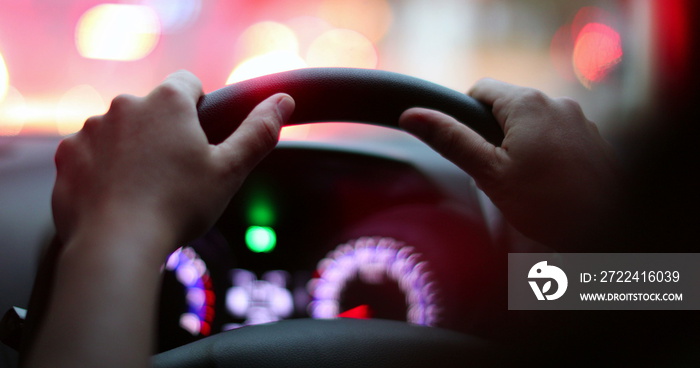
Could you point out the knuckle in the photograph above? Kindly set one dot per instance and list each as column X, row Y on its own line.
column 525, row 99
column 592, row 127
column 66, row 149
column 532, row 96
column 571, row 111
column 569, row 104
column 91, row 124
column 168, row 90
column 480, row 84
column 122, row 103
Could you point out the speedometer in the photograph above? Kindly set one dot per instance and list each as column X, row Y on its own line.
column 374, row 277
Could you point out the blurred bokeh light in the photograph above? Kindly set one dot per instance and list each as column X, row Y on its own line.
column 4, row 78
column 596, row 52
column 264, row 37
column 266, row 47
column 573, row 48
column 13, row 111
column 342, row 48
column 372, row 18
column 77, row 103
column 271, row 62
column 175, row 15
column 117, row 32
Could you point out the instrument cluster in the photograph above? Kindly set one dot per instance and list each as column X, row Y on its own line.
column 326, row 234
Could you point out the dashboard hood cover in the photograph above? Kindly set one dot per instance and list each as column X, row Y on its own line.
column 332, row 343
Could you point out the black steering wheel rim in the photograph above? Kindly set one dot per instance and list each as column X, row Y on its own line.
column 343, row 95
column 337, row 95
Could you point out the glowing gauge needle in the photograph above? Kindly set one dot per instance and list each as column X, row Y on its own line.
column 360, row 312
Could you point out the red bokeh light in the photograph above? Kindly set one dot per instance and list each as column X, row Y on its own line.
column 596, row 51
column 588, row 48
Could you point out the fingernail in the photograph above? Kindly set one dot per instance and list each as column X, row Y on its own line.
column 285, row 107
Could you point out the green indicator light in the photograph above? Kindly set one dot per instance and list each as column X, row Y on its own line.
column 260, row 210
column 260, row 239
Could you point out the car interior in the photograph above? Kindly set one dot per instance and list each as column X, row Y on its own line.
column 353, row 243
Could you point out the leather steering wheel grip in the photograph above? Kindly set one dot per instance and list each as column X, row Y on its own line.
column 342, row 95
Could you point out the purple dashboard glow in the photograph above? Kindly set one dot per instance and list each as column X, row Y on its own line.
column 375, row 260
column 258, row 301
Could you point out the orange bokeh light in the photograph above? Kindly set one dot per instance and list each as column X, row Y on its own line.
column 342, row 48
column 265, row 37
column 272, row 62
column 307, row 29
column 266, row 47
column 117, row 32
column 372, row 18
column 76, row 105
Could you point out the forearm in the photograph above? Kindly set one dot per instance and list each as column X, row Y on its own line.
column 102, row 308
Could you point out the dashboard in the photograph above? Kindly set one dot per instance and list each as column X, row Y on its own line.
column 321, row 232
column 364, row 223
column 388, row 231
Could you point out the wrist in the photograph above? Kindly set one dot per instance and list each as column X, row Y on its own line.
column 123, row 233
column 104, row 292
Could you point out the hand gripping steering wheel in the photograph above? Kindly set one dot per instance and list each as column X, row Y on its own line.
column 335, row 95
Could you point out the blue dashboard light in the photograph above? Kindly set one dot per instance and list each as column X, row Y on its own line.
column 191, row 271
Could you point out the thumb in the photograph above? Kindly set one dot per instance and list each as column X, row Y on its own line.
column 453, row 140
column 258, row 134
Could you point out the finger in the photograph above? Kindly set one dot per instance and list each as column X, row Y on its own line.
column 176, row 98
column 508, row 100
column 185, row 82
column 453, row 140
column 258, row 134
column 489, row 90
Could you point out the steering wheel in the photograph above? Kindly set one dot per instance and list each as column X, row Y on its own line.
column 342, row 95
column 335, row 95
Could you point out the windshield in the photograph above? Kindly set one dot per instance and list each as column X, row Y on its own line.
column 63, row 61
